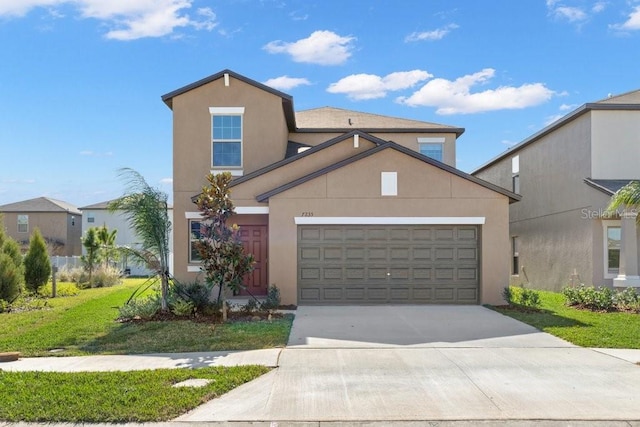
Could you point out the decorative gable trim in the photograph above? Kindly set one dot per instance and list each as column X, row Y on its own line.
column 388, row 145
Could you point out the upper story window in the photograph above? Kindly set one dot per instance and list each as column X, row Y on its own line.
column 23, row 223
column 91, row 217
column 226, row 137
column 431, row 147
column 515, row 174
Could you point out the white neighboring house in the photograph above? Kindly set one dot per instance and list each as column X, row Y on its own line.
column 98, row 214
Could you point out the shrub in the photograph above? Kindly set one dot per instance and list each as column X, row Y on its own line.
column 144, row 308
column 520, row 296
column 250, row 306
column 105, row 276
column 77, row 275
column 180, row 307
column 37, row 266
column 63, row 289
column 599, row 299
column 195, row 293
column 273, row 298
column 628, row 299
column 10, row 278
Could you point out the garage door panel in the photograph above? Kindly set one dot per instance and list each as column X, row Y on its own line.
column 388, row 264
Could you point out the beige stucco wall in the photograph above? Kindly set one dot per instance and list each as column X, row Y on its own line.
column 556, row 222
column 406, row 139
column 264, row 129
column 615, row 144
column 57, row 226
column 423, row 190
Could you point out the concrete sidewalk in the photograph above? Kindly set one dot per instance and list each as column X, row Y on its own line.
column 267, row 357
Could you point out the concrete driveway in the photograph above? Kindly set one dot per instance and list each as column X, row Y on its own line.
column 420, row 363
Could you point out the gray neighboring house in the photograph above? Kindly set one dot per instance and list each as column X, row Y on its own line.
column 98, row 214
column 566, row 174
column 59, row 222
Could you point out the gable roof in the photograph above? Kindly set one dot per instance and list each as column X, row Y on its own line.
column 340, row 120
column 387, row 145
column 607, row 186
column 40, row 204
column 629, row 101
column 306, row 153
column 287, row 100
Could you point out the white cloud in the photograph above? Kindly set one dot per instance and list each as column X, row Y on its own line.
column 599, row 6
column 431, row 35
column 552, row 119
column 321, row 47
column 571, row 14
column 286, row 82
column 567, row 107
column 370, row 86
column 632, row 23
column 166, row 181
column 128, row 19
column 455, row 97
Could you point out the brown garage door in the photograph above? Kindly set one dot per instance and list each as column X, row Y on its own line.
column 378, row 264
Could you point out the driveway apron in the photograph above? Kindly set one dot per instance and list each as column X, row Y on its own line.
column 419, row 363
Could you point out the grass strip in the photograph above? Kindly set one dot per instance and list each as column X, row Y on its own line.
column 581, row 327
column 117, row 397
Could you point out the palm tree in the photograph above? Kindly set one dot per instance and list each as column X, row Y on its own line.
column 147, row 211
column 107, row 240
column 628, row 197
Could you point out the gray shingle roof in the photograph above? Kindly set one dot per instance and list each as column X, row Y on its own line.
column 338, row 118
column 607, row 186
column 40, row 204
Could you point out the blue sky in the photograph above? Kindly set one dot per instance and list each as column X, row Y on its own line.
column 81, row 80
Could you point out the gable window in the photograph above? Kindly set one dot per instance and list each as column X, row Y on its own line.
column 23, row 223
column 194, row 236
column 431, row 147
column 226, row 137
column 613, row 234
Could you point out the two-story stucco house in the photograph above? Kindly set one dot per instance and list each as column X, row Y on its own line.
column 566, row 174
column 60, row 223
column 98, row 214
column 337, row 206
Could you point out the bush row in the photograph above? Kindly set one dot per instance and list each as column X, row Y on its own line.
column 602, row 298
column 189, row 299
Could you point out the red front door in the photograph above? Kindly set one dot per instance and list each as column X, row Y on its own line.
column 254, row 240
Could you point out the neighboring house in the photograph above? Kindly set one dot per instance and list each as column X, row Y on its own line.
column 98, row 214
column 566, row 174
column 59, row 222
column 337, row 206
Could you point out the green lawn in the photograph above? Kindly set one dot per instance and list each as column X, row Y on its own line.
column 116, row 397
column 85, row 324
column 581, row 327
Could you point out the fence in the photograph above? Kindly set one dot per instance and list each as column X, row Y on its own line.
column 66, row 261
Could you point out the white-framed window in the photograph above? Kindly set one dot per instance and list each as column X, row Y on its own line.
column 515, row 174
column 515, row 256
column 23, row 223
column 194, row 236
column 431, row 147
column 226, row 137
column 612, row 233
column 91, row 218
